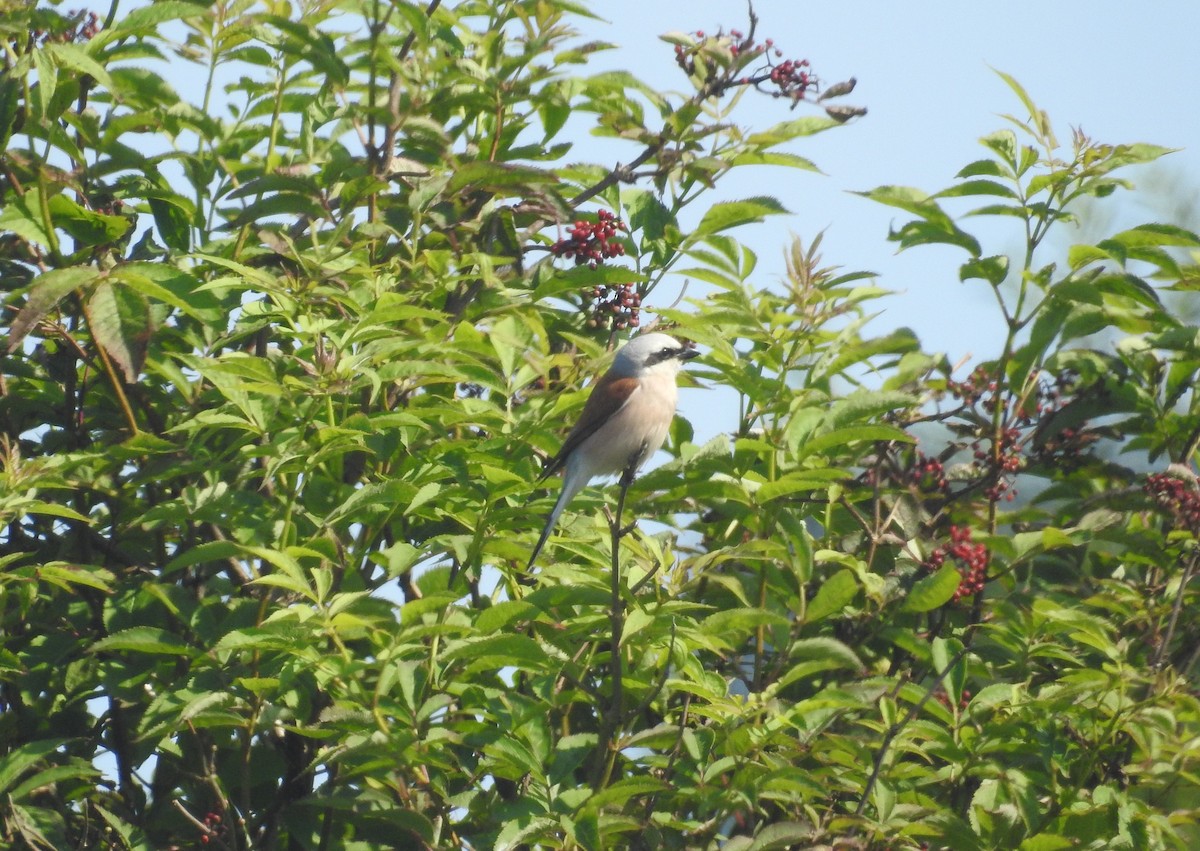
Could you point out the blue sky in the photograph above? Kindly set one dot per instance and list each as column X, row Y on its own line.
column 924, row 71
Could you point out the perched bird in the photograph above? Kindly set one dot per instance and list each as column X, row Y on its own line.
column 624, row 421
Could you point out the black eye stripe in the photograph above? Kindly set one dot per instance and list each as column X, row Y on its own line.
column 663, row 354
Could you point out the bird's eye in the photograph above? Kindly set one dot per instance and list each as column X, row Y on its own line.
column 667, row 351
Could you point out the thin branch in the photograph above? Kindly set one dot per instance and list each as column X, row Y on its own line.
column 895, row 729
column 1161, row 653
column 606, row 755
column 118, row 387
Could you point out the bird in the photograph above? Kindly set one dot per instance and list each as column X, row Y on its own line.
column 624, row 421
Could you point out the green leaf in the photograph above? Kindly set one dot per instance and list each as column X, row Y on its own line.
column 45, row 292
column 991, row 269
column 143, row 639
column 493, row 175
column 142, row 20
column 799, row 481
column 826, row 649
column 835, row 593
column 520, row 651
column 783, row 835
column 738, row 622
column 936, row 225
column 66, row 576
column 53, row 509
column 933, row 591
column 85, row 226
column 911, row 201
column 977, row 187
column 23, row 216
column 852, row 434
column 414, row 822
column 786, row 131
column 120, row 321
column 1154, row 235
column 773, row 158
column 172, row 216
column 983, row 168
column 74, row 58
column 1034, row 113
column 867, row 404
column 623, row 791
column 22, row 758
column 164, row 283
column 729, row 214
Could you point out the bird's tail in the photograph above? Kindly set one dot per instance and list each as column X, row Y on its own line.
column 549, row 527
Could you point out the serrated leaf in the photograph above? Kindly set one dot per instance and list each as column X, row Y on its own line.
column 774, row 158
column 798, row 482
column 785, row 131
column 142, row 20
column 784, row 835
column 53, row 509
column 67, row 575
column 1155, row 235
column 827, row 649
column 852, row 434
column 120, row 321
column 991, row 269
column 85, row 226
column 143, row 639
column 977, row 187
column 729, row 214
column 21, row 758
column 741, row 621
column 172, row 217
column 74, row 58
column 982, row 168
column 933, row 591
column 23, row 216
column 835, row 594
column 519, row 651
column 480, row 173
column 45, row 292
column 866, row 405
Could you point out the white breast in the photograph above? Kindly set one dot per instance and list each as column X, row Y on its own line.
column 641, row 424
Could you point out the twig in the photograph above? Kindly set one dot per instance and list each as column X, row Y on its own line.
column 606, row 756
column 118, row 388
column 895, row 729
column 1161, row 653
column 211, row 836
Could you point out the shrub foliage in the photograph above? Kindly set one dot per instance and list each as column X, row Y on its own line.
column 282, row 355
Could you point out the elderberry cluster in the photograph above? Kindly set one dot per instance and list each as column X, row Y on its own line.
column 972, row 559
column 790, row 78
column 617, row 307
column 1027, row 429
column 85, row 26
column 212, row 826
column 1004, row 456
column 928, row 474
column 1177, row 497
column 592, row 242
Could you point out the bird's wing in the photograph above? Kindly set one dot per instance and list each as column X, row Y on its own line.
column 609, row 395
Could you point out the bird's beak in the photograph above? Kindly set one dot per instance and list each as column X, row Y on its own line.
column 688, row 354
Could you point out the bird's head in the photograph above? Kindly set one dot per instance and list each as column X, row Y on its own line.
column 651, row 353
